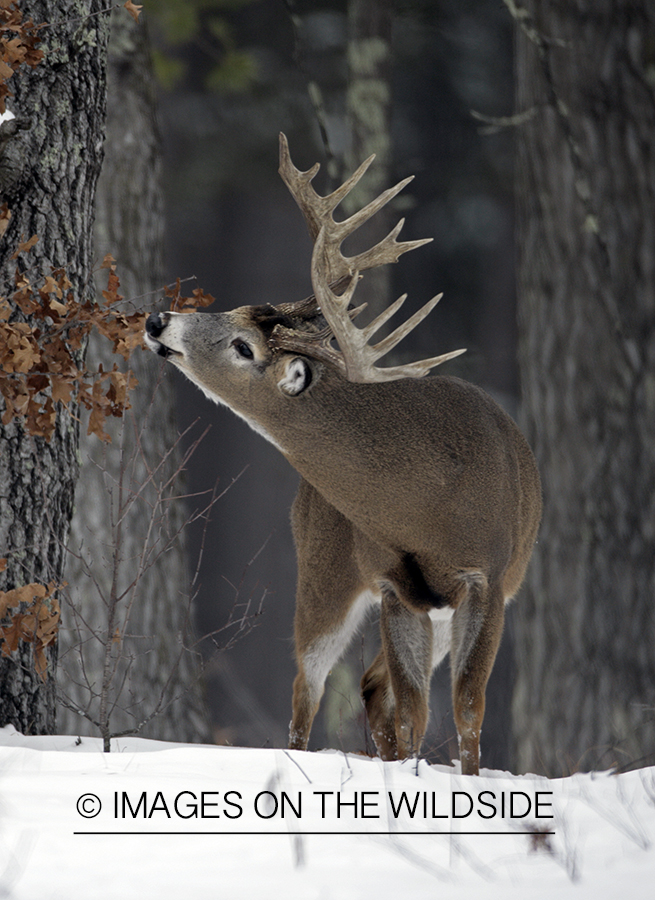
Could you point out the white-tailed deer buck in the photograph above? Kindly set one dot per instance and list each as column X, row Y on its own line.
column 419, row 493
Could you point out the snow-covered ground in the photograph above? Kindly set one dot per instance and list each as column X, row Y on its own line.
column 172, row 821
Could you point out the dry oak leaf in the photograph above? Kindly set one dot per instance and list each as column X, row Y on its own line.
column 50, row 286
column 111, row 295
column 133, row 9
column 14, row 52
column 37, row 623
column 98, row 403
column 20, row 353
column 25, row 246
column 121, row 384
column 178, row 302
column 41, row 419
column 27, row 593
column 200, row 298
column 62, row 390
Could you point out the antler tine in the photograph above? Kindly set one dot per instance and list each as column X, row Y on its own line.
column 357, row 355
column 334, row 199
column 330, row 269
column 401, row 332
column 416, row 369
column 317, row 211
column 385, row 251
column 352, row 223
column 384, row 317
column 313, row 206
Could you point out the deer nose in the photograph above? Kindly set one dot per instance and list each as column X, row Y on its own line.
column 155, row 324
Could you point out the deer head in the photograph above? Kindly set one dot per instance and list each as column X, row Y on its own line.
column 417, row 493
column 266, row 347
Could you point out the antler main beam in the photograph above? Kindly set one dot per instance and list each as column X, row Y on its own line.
column 317, row 212
column 355, row 357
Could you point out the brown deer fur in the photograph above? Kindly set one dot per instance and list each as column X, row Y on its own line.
column 418, row 493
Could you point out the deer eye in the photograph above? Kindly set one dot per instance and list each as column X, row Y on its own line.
column 243, row 349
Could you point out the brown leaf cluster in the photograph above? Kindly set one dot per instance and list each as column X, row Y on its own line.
column 18, row 40
column 186, row 304
column 30, row 613
column 42, row 335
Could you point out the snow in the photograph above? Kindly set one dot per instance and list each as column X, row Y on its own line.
column 277, row 820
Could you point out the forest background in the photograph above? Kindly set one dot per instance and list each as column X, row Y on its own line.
column 529, row 130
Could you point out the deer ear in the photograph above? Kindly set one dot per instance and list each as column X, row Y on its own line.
column 296, row 376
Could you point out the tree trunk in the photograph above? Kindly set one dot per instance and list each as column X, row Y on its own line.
column 51, row 194
column 585, row 695
column 154, row 666
column 368, row 120
column 368, row 102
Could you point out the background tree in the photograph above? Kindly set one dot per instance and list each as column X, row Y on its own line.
column 368, row 118
column 585, row 695
column 129, row 225
column 50, row 189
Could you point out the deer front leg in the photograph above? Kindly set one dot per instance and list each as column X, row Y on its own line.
column 330, row 602
column 395, row 687
column 476, row 631
column 307, row 693
column 317, row 651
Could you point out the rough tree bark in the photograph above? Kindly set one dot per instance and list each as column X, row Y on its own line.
column 368, row 103
column 129, row 225
column 585, row 695
column 51, row 195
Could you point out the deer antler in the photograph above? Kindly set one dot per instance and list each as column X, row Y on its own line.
column 355, row 357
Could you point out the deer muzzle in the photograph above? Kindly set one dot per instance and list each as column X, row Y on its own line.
column 156, row 324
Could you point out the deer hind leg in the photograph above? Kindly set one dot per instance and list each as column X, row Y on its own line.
column 379, row 702
column 477, row 627
column 395, row 687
